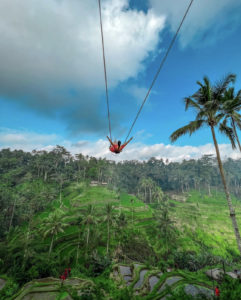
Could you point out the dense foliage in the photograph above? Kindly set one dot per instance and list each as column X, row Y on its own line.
column 40, row 201
column 30, row 181
column 158, row 213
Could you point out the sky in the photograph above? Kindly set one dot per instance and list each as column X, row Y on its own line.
column 52, row 87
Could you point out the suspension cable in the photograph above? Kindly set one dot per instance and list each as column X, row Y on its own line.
column 159, row 69
column 103, row 53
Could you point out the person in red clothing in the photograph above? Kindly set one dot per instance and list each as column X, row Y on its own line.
column 62, row 277
column 217, row 292
column 116, row 147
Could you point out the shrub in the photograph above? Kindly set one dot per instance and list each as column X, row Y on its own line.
column 192, row 261
column 9, row 290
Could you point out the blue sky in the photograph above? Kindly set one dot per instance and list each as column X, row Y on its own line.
column 52, row 87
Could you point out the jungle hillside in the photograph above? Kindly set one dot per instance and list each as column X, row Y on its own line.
column 129, row 230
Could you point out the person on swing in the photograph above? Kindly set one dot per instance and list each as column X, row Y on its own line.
column 116, row 147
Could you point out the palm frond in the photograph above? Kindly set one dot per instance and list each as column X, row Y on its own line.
column 238, row 121
column 221, row 86
column 239, row 94
column 190, row 128
column 228, row 131
column 199, row 83
column 189, row 102
column 219, row 117
column 202, row 115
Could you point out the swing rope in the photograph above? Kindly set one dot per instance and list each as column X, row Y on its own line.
column 103, row 53
column 159, row 69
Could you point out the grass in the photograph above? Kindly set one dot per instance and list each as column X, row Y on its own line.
column 201, row 219
column 208, row 218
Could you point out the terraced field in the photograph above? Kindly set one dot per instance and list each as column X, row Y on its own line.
column 206, row 219
column 146, row 283
column 154, row 284
column 196, row 220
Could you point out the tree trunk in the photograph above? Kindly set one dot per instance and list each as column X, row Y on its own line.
column 77, row 253
column 231, row 209
column 87, row 240
column 209, row 190
column 60, row 199
column 108, row 237
column 235, row 133
column 45, row 176
column 51, row 244
column 25, row 249
column 132, row 214
column 11, row 220
column 195, row 185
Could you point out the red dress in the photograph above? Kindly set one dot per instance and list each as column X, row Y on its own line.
column 217, row 293
column 116, row 149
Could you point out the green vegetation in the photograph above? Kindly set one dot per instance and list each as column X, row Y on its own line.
column 208, row 103
column 129, row 230
column 91, row 237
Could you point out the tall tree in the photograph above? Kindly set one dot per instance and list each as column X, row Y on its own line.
column 231, row 104
column 88, row 220
column 206, row 102
column 53, row 225
column 165, row 226
column 109, row 219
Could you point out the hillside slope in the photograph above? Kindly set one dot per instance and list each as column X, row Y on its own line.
column 93, row 229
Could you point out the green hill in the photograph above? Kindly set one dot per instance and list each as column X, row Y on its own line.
column 97, row 232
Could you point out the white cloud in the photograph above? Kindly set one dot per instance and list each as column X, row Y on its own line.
column 134, row 151
column 27, row 141
column 51, row 55
column 206, row 21
column 50, row 46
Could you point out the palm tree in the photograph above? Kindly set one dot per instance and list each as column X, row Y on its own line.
column 231, row 104
column 158, row 194
column 144, row 184
column 78, row 246
column 206, row 102
column 13, row 211
column 21, row 248
column 28, row 251
column 53, row 225
column 88, row 221
column 165, row 225
column 109, row 219
column 132, row 210
column 121, row 223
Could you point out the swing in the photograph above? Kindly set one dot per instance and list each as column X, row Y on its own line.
column 116, row 147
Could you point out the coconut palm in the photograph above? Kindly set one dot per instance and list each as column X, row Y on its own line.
column 53, row 225
column 165, row 226
column 147, row 184
column 110, row 220
column 144, row 186
column 231, row 104
column 206, row 102
column 132, row 210
column 88, row 221
column 158, row 194
column 121, row 223
column 79, row 222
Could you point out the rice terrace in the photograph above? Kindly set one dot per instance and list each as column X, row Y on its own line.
column 120, row 152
